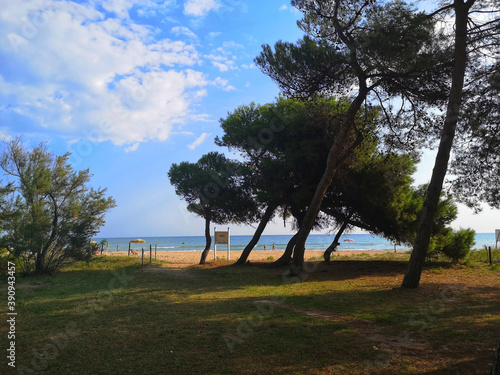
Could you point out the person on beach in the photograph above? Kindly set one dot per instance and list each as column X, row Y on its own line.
column 264, row 246
column 274, row 246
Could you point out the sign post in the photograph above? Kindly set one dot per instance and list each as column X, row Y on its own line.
column 222, row 238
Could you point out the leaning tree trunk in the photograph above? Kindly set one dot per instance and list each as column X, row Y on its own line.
column 287, row 255
column 335, row 243
column 208, row 239
column 417, row 259
column 334, row 157
column 262, row 225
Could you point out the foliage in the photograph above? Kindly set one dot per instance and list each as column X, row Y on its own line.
column 49, row 214
column 456, row 245
column 372, row 190
column 216, row 185
column 476, row 165
column 216, row 189
column 375, row 194
column 382, row 52
column 475, row 41
column 285, row 144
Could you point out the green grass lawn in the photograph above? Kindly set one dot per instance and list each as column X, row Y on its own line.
column 346, row 317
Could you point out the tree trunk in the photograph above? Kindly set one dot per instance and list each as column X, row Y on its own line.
column 417, row 259
column 40, row 263
column 262, row 225
column 287, row 255
column 334, row 156
column 208, row 239
column 335, row 243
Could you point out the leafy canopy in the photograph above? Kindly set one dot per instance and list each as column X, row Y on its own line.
column 49, row 213
column 215, row 188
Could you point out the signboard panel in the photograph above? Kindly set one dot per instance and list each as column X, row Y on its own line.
column 221, row 238
column 497, row 235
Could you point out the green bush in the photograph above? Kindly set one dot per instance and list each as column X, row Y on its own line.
column 438, row 241
column 5, row 258
column 457, row 244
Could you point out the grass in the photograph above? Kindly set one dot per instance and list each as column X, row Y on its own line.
column 346, row 317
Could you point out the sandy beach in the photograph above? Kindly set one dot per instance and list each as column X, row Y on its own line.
column 193, row 257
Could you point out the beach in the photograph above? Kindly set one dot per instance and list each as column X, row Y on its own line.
column 187, row 258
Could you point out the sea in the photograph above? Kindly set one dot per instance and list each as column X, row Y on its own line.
column 238, row 242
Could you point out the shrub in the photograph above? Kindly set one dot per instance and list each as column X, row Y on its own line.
column 5, row 258
column 49, row 212
column 458, row 244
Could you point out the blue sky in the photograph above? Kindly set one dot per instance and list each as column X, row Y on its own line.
column 130, row 87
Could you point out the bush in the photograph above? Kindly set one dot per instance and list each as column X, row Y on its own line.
column 5, row 258
column 458, row 244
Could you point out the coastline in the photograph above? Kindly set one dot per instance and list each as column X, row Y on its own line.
column 193, row 257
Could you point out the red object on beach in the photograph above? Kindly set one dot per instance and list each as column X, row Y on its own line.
column 349, row 240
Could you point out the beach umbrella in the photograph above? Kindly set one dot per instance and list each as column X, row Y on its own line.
column 137, row 240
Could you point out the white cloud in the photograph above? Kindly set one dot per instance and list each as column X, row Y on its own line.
column 226, row 46
column 132, row 148
column 145, row 106
column 182, row 30
column 119, row 7
column 200, row 8
column 214, row 34
column 95, row 78
column 221, row 62
column 251, row 66
column 223, row 57
column 199, row 141
column 290, row 9
column 223, row 84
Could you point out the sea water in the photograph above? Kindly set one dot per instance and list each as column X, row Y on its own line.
column 314, row 242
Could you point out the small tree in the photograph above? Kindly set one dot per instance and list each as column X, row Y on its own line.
column 49, row 214
column 456, row 245
column 216, row 189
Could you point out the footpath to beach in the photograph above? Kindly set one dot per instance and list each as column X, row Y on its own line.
column 193, row 257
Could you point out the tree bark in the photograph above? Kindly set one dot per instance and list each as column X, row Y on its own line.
column 208, row 238
column 262, row 225
column 287, row 255
column 334, row 156
column 39, row 263
column 335, row 243
column 417, row 259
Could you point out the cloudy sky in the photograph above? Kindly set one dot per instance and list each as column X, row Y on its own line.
column 130, row 87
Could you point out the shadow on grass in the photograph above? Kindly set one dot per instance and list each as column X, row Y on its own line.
column 213, row 320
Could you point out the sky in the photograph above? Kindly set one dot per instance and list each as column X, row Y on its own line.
column 131, row 87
